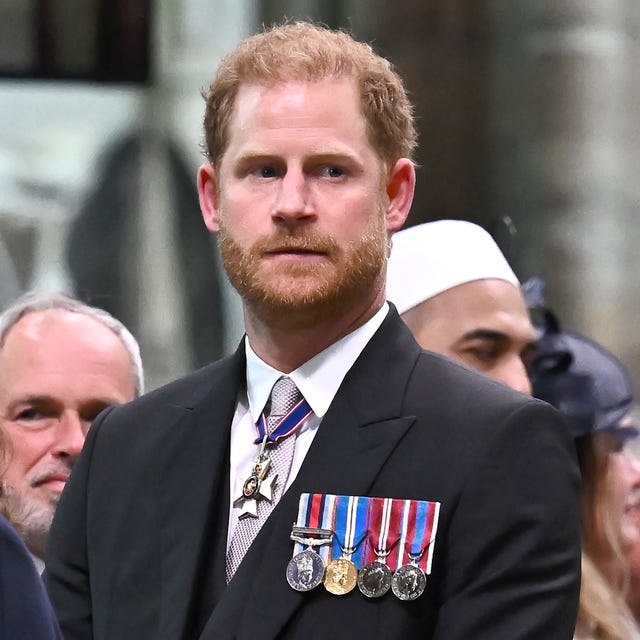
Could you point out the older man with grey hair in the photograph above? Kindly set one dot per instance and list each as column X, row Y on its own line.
column 61, row 363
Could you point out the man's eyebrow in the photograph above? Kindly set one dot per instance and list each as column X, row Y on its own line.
column 486, row 334
column 51, row 400
column 39, row 398
column 30, row 400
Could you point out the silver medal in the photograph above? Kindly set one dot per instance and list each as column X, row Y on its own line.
column 408, row 582
column 374, row 579
column 305, row 570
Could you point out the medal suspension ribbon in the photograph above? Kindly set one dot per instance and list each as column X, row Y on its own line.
column 419, row 526
column 316, row 510
column 350, row 527
column 287, row 426
column 385, row 519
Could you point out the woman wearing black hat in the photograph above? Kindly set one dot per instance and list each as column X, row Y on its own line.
column 594, row 390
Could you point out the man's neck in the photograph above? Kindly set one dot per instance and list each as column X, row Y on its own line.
column 285, row 346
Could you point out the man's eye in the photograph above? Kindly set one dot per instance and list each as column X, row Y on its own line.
column 34, row 418
column 30, row 414
column 485, row 355
column 334, row 172
column 266, row 172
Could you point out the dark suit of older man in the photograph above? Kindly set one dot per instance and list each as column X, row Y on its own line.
column 25, row 610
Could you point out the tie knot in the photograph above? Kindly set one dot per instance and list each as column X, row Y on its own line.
column 284, row 396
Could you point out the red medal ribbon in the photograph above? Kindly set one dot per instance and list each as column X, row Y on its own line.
column 384, row 524
column 419, row 529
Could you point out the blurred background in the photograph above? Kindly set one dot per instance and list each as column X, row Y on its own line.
column 528, row 119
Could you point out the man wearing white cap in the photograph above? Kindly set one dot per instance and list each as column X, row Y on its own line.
column 457, row 293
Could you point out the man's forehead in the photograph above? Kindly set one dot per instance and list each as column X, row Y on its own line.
column 290, row 101
column 490, row 294
column 483, row 307
column 57, row 351
column 34, row 324
column 60, row 329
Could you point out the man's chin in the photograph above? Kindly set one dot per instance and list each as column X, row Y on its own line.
column 33, row 518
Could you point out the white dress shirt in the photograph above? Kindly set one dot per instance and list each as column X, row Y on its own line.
column 317, row 379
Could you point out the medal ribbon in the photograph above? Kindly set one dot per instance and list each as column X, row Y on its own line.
column 419, row 526
column 402, row 526
column 432, row 528
column 316, row 510
column 288, row 425
column 350, row 527
column 385, row 519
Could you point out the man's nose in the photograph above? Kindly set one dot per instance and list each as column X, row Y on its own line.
column 293, row 201
column 70, row 436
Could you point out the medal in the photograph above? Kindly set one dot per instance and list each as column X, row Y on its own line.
column 341, row 575
column 420, row 521
column 305, row 571
column 348, row 541
column 255, row 487
column 374, row 579
column 409, row 581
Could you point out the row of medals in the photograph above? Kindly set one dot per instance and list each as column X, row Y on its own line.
column 306, row 570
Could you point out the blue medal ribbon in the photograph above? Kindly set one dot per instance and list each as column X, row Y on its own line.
column 288, row 425
column 418, row 544
column 354, row 521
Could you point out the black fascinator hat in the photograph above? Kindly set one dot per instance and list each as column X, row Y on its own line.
column 575, row 374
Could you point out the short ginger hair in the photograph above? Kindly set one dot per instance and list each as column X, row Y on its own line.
column 309, row 52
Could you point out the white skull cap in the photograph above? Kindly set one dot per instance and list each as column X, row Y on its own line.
column 430, row 258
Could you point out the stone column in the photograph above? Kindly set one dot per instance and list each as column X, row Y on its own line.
column 563, row 136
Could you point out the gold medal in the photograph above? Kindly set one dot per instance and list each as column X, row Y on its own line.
column 341, row 576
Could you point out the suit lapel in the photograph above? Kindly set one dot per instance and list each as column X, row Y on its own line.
column 194, row 493
column 358, row 434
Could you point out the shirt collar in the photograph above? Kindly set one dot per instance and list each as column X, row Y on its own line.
column 37, row 562
column 319, row 378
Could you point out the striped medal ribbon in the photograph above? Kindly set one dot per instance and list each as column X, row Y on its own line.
column 305, row 571
column 420, row 523
column 350, row 524
column 374, row 579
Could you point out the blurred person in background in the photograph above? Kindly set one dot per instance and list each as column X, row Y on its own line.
column 631, row 522
column 25, row 610
column 61, row 363
column 594, row 391
column 458, row 295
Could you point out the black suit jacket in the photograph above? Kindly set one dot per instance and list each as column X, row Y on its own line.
column 25, row 610
column 137, row 548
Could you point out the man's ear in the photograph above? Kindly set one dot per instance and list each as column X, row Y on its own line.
column 208, row 196
column 400, row 187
